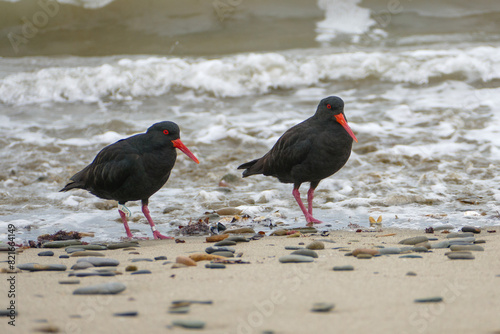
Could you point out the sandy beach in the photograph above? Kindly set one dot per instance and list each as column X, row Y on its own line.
column 266, row 296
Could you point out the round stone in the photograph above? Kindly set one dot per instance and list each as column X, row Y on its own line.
column 306, row 252
column 315, row 245
column 46, row 253
column 110, row 288
column 460, row 256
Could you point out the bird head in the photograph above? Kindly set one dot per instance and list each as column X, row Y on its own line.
column 334, row 106
column 171, row 132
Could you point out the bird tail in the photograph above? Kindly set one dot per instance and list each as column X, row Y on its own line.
column 72, row 185
column 77, row 181
column 248, row 170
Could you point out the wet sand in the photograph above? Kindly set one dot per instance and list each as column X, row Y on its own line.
column 266, row 295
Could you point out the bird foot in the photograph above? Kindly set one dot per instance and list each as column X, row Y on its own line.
column 158, row 235
column 311, row 221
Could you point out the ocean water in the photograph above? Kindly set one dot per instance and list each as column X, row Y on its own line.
column 420, row 81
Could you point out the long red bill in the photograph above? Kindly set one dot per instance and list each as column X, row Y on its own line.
column 340, row 119
column 178, row 144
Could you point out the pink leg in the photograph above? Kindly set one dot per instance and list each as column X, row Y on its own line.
column 310, row 196
column 156, row 234
column 125, row 223
column 309, row 218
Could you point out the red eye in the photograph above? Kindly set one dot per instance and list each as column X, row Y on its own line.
column 165, row 132
column 329, row 106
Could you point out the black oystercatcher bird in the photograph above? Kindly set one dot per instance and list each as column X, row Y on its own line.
column 308, row 152
column 133, row 169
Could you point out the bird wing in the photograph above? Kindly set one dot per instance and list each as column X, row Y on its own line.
column 110, row 169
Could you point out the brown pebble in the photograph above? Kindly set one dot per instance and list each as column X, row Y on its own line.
column 294, row 235
column 86, row 253
column 315, row 245
column 185, row 260
column 136, row 253
column 359, row 251
column 205, row 257
column 241, row 230
column 129, row 248
column 216, row 238
column 47, row 329
column 131, row 268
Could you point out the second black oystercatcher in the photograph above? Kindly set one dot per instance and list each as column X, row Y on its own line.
column 133, row 169
column 308, row 152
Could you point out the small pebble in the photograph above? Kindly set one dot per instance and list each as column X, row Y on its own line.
column 126, row 314
column 211, row 250
column 159, row 258
column 100, row 262
column 364, row 256
column 420, row 249
column 61, row 243
column 110, row 288
column 65, row 256
column 41, row 267
column 225, row 243
column 223, row 253
column 460, row 235
column 71, row 250
column 141, row 260
column 343, row 268
column 131, row 268
column 315, row 245
column 410, row 256
column 46, row 253
column 70, row 282
column 441, row 244
column 82, row 265
column 462, row 241
column 359, row 251
column 141, row 272
column 322, row 307
column 460, row 256
column 123, row 245
column 411, row 273
column 215, row 266
column 238, row 239
column 178, row 310
column 471, row 229
column 389, row 250
column 186, row 323
column 475, row 248
column 429, row 300
column 295, row 259
column 86, row 253
column 414, row 240
column 185, row 261
column 306, row 252
column 240, row 231
column 293, row 247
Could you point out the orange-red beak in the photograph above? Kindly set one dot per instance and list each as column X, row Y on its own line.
column 178, row 144
column 341, row 120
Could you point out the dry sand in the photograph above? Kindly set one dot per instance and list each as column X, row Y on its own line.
column 265, row 295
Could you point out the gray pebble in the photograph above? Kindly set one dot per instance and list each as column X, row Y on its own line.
column 64, row 256
column 295, row 259
column 429, row 300
column 61, row 243
column 293, row 247
column 89, row 247
column 162, row 257
column 420, row 249
column 179, row 310
column 306, row 252
column 459, row 235
column 322, row 307
column 411, row 273
column 237, row 239
column 141, row 260
column 364, row 256
column 123, row 245
column 186, row 323
column 224, row 253
column 41, row 267
column 215, row 266
column 343, row 268
column 70, row 281
column 441, row 244
column 389, row 250
column 460, row 256
column 414, row 240
column 82, row 265
column 225, row 242
column 94, row 273
column 46, row 253
column 100, row 262
column 141, row 272
column 126, row 314
column 211, row 250
column 410, row 256
column 462, row 241
column 110, row 288
column 86, row 253
column 71, row 250
column 476, row 248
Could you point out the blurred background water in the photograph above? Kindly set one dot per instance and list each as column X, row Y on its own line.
column 420, row 81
